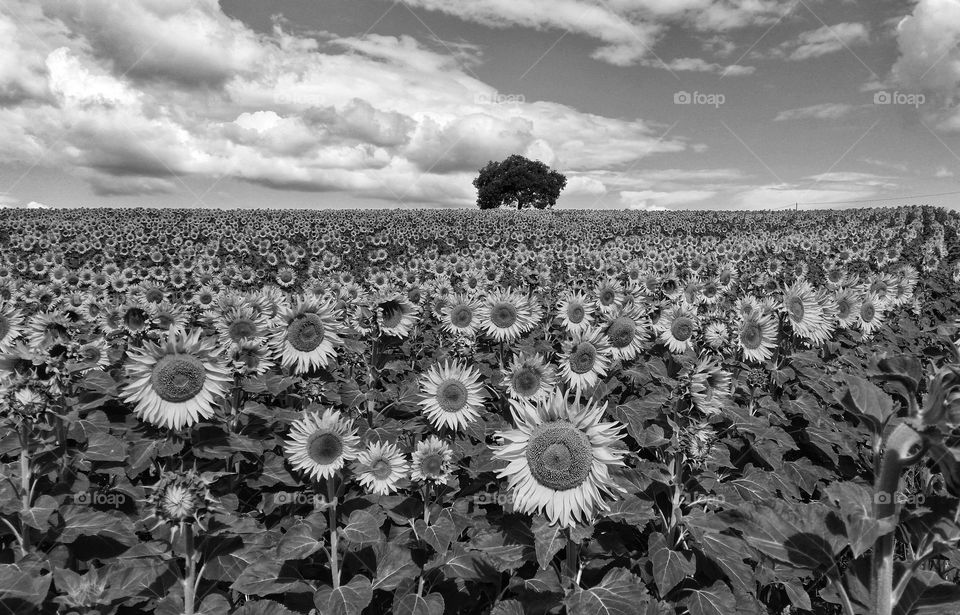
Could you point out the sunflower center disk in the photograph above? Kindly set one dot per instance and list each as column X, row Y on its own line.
column 4, row 326
column 392, row 314
column 867, row 312
column 843, row 308
column 178, row 502
column 795, row 307
column 240, row 329
column 750, row 335
column 452, row 395
column 682, row 329
column 583, row 358
column 178, row 377
column 381, row 469
column 526, row 381
column 461, row 316
column 559, row 456
column 621, row 332
column 503, row 315
column 607, row 297
column 575, row 314
column 431, row 465
column 306, row 332
column 325, row 448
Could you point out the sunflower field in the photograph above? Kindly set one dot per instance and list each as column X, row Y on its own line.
column 429, row 412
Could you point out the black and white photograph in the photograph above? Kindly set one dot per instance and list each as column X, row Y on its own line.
column 480, row 307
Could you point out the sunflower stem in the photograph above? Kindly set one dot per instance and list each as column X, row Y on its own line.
column 190, row 578
column 25, row 480
column 572, row 564
column 334, row 537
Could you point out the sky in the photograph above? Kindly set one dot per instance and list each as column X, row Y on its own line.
column 642, row 104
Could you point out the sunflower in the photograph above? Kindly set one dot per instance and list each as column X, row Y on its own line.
column 626, row 332
column 506, row 315
column 11, row 324
column 585, row 359
column 93, row 354
column 757, row 337
column 308, row 335
column 432, row 461
column 848, row 307
column 48, row 329
column 380, row 467
column 709, row 386
column 179, row 497
column 396, row 315
column 452, row 395
column 251, row 358
column 174, row 383
column 459, row 315
column 677, row 325
column 320, row 444
column 558, row 458
column 575, row 311
column 805, row 313
column 716, row 335
column 610, row 295
column 871, row 314
column 529, row 377
column 236, row 325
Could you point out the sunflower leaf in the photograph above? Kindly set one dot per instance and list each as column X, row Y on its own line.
column 349, row 599
column 548, row 540
column 619, row 593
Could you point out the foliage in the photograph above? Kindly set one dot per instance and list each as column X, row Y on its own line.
column 528, row 183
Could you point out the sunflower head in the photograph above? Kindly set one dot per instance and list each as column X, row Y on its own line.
column 320, row 444
column 432, row 461
column 180, row 496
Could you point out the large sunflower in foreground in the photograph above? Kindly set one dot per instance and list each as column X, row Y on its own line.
column 558, row 459
column 320, row 444
column 11, row 324
column 452, row 395
column 507, row 315
column 308, row 336
column 174, row 383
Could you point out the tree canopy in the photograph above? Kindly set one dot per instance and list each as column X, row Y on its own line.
column 528, row 183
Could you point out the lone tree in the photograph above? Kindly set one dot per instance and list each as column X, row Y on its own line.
column 528, row 183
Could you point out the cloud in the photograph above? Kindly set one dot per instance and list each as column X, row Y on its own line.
column 700, row 65
column 627, row 30
column 782, row 196
column 651, row 200
column 378, row 116
column 823, row 41
column 892, row 166
column 825, row 111
column 929, row 44
column 943, row 173
column 36, row 205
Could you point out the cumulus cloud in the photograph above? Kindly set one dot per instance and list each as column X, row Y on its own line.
column 699, row 65
column 136, row 101
column 929, row 60
column 825, row 111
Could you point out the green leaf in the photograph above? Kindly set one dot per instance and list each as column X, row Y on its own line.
column 456, row 564
column 363, row 526
column 855, row 502
column 548, row 540
column 299, row 542
column 866, row 400
column 669, row 566
column 38, row 517
column 439, row 533
column 133, row 580
column 270, row 576
column 394, row 565
column 349, row 599
column 79, row 521
column 508, row 607
column 104, row 447
column 632, row 511
column 263, row 607
column 928, row 593
column 619, row 593
column 715, row 600
column 412, row 604
column 19, row 588
column 214, row 604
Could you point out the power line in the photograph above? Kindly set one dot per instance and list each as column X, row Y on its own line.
column 895, row 198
